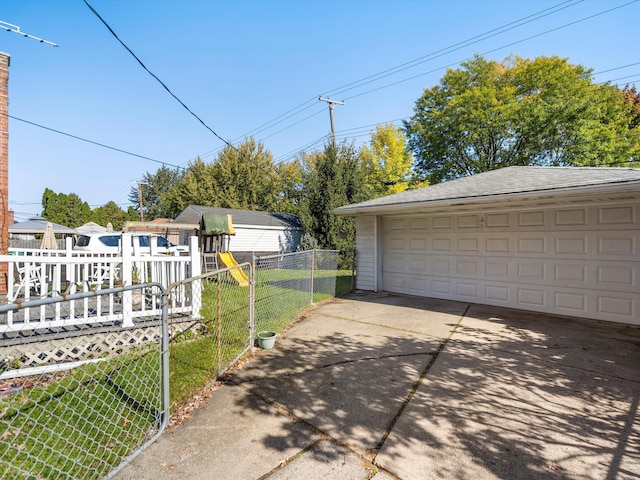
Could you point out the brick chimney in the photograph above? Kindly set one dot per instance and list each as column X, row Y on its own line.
column 5, row 217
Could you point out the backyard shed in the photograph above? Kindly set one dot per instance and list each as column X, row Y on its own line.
column 549, row 239
column 256, row 232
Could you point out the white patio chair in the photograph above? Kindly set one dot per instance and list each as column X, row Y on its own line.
column 27, row 277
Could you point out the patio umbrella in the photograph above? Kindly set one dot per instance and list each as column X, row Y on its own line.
column 109, row 227
column 49, row 238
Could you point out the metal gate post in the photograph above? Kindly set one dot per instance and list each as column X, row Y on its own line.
column 313, row 264
column 252, row 299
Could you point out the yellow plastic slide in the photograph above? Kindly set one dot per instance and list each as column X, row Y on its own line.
column 228, row 261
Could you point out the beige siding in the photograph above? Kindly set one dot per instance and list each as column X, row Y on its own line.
column 365, row 253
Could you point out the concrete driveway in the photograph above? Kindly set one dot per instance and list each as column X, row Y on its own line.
column 392, row 387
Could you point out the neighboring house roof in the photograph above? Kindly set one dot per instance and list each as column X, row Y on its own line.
column 38, row 225
column 500, row 185
column 193, row 214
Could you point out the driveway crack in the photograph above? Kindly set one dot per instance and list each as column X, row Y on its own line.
column 413, row 391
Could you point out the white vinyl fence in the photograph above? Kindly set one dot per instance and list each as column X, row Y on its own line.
column 34, row 274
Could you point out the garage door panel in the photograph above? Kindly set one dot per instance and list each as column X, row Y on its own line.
column 497, row 293
column 618, row 276
column 617, row 306
column 618, row 215
column 570, row 303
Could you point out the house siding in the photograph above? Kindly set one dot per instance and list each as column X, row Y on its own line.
column 262, row 239
column 366, row 253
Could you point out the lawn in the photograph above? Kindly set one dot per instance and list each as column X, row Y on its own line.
column 82, row 423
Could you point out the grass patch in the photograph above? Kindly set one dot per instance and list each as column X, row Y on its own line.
column 81, row 423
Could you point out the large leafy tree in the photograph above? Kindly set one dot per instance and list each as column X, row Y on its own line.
column 332, row 178
column 632, row 97
column 244, row 178
column 387, row 160
column 291, row 194
column 112, row 213
column 488, row 114
column 197, row 187
column 155, row 190
column 70, row 210
column 247, row 178
column 65, row 209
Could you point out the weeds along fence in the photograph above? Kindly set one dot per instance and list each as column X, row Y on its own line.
column 81, row 400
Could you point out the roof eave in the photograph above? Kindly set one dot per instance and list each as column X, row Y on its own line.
column 534, row 196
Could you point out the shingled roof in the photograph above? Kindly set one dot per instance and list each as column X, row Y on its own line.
column 193, row 214
column 500, row 185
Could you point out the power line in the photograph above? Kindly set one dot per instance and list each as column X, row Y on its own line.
column 457, row 46
column 156, row 77
column 483, row 36
column 91, row 141
column 472, row 40
column 496, row 49
column 617, row 68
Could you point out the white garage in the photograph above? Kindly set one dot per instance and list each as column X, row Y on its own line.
column 547, row 239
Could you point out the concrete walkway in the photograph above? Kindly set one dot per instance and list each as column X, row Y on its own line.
column 391, row 387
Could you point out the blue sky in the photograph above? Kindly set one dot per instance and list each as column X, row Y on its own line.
column 257, row 68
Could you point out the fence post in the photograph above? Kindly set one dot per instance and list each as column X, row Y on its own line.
column 252, row 298
column 196, row 271
column 313, row 264
column 127, row 279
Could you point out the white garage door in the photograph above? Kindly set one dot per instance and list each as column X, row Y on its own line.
column 571, row 261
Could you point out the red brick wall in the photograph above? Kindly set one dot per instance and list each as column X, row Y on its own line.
column 5, row 218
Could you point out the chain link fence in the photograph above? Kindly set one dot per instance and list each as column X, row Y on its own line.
column 214, row 332
column 80, row 399
column 77, row 401
column 287, row 283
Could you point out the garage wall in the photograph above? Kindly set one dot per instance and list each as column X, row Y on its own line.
column 578, row 261
column 366, row 253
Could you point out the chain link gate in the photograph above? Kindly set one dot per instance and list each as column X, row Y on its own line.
column 79, row 400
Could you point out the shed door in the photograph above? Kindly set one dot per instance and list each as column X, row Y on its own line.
column 580, row 261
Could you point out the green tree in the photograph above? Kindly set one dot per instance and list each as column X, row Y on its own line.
column 387, row 160
column 291, row 191
column 332, row 178
column 244, row 178
column 545, row 111
column 247, row 178
column 196, row 187
column 155, row 189
column 112, row 213
column 65, row 209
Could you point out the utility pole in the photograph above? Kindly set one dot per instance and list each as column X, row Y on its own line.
column 140, row 199
column 331, row 104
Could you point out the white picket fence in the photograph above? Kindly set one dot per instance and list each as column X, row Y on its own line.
column 34, row 274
